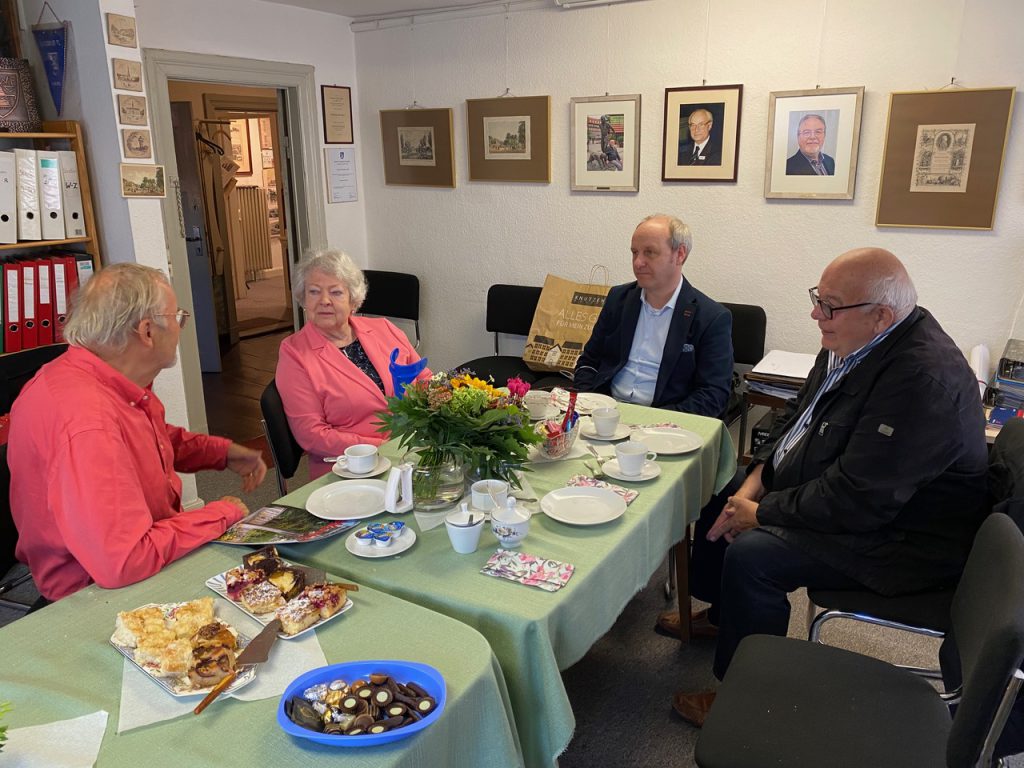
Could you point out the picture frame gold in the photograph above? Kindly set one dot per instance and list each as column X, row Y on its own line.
column 604, row 134
column 788, row 173
column 965, row 176
column 131, row 110
column 127, row 74
column 509, row 139
column 121, row 30
column 142, row 180
column 718, row 158
column 418, row 147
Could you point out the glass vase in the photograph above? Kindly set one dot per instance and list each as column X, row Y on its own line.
column 436, row 483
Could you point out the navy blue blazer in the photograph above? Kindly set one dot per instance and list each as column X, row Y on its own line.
column 799, row 165
column 696, row 365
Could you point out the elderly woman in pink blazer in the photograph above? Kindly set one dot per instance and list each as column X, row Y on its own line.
column 333, row 374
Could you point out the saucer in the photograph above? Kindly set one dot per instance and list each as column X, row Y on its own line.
column 550, row 412
column 590, row 432
column 383, row 465
column 650, row 471
column 397, row 546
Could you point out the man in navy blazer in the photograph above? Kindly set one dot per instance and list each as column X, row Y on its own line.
column 659, row 341
column 809, row 160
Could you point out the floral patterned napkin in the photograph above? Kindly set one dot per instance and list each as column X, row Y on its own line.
column 586, row 481
column 663, row 425
column 533, row 571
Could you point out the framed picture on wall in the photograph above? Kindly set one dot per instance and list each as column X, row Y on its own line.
column 131, row 110
column 702, row 133
column 510, row 139
column 266, row 134
column 813, row 138
column 336, row 101
column 418, row 147
column 240, row 151
column 142, row 180
column 121, row 30
column 943, row 158
column 604, row 133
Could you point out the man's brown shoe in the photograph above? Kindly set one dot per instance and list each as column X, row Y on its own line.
column 669, row 624
column 693, row 707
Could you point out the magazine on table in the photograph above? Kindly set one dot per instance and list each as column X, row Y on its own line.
column 279, row 524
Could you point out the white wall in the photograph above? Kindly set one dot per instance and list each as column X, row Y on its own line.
column 257, row 30
column 746, row 249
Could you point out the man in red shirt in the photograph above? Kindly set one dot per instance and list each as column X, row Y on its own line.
column 94, row 489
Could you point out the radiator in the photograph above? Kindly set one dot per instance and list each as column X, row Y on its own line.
column 254, row 230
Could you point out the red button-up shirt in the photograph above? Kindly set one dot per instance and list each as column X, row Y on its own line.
column 94, row 491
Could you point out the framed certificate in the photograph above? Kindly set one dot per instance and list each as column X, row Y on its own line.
column 337, row 108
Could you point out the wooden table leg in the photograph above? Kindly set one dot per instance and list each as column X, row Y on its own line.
column 683, row 586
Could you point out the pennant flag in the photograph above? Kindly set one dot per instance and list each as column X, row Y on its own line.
column 52, row 41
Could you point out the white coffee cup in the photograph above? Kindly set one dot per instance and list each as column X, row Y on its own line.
column 538, row 404
column 632, row 456
column 606, row 421
column 359, row 459
column 464, row 529
column 488, row 494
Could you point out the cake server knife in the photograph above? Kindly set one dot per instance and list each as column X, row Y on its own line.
column 256, row 652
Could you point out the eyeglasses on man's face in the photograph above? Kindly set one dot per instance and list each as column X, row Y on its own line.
column 827, row 309
column 807, row 133
column 181, row 316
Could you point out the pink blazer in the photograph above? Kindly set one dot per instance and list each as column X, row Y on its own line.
column 329, row 402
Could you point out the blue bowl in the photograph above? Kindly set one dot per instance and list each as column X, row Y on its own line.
column 402, row 672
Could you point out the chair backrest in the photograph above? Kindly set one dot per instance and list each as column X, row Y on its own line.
column 1006, row 462
column 393, row 294
column 8, row 533
column 283, row 447
column 988, row 622
column 748, row 329
column 17, row 368
column 510, row 309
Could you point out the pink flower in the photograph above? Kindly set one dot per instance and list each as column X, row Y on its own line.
column 517, row 387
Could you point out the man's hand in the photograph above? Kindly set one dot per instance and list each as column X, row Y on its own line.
column 237, row 502
column 249, row 464
column 738, row 515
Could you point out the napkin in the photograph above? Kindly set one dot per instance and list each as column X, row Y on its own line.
column 73, row 743
column 586, row 481
column 531, row 570
column 144, row 702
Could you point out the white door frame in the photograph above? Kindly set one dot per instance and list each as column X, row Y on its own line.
column 307, row 184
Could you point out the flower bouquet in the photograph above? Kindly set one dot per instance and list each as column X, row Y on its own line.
column 454, row 417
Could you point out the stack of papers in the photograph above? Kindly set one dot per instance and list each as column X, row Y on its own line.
column 780, row 374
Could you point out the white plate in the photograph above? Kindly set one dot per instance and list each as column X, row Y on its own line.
column 181, row 686
column 588, row 431
column 348, row 500
column 583, row 506
column 396, row 547
column 669, row 440
column 650, row 471
column 383, row 465
column 219, row 585
column 586, row 402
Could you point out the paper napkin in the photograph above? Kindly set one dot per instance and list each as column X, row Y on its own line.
column 586, row 481
column 73, row 743
column 533, row 571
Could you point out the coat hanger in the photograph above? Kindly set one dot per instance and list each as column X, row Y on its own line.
column 211, row 145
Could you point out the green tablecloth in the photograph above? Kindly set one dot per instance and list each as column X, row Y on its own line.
column 58, row 664
column 535, row 633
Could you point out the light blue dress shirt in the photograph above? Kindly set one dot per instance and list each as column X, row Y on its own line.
column 636, row 382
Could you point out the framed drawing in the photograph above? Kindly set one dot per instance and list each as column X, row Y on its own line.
column 267, row 156
column 604, row 133
column 137, row 144
column 701, row 138
column 510, row 139
column 131, row 110
column 266, row 134
column 139, row 180
column 121, row 30
column 417, row 146
column 336, row 101
column 240, row 151
column 943, row 158
column 813, row 137
column 127, row 74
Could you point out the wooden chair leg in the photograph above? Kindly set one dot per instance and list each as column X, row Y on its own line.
column 682, row 550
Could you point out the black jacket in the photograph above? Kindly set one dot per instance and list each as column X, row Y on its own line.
column 888, row 484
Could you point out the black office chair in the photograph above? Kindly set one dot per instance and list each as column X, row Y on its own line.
column 749, row 323
column 790, row 702
column 284, row 449
column 393, row 294
column 510, row 311
column 17, row 368
column 8, row 542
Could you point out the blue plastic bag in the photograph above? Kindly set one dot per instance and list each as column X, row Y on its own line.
column 402, row 375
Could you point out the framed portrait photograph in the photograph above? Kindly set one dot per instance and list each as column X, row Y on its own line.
column 701, row 138
column 604, row 133
column 509, row 139
column 417, row 146
column 943, row 158
column 142, row 180
column 336, row 101
column 137, row 144
column 127, row 74
column 131, row 110
column 240, row 151
column 813, row 138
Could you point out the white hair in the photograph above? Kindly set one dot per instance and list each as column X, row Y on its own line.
column 336, row 264
column 108, row 309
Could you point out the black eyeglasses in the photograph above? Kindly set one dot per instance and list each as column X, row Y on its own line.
column 181, row 316
column 827, row 309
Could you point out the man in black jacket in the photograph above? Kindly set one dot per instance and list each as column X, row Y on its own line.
column 875, row 479
column 658, row 340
